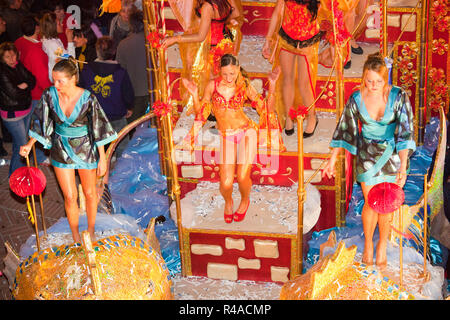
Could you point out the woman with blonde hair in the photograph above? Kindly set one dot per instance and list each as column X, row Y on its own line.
column 51, row 43
column 382, row 147
column 120, row 25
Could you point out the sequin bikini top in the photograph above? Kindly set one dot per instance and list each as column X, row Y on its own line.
column 236, row 102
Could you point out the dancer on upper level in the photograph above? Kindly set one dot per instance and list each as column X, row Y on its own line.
column 296, row 52
column 211, row 26
column 382, row 148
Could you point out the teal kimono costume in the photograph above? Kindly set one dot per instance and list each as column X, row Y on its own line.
column 73, row 141
column 377, row 145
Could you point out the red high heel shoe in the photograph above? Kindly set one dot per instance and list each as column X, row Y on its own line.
column 229, row 217
column 240, row 216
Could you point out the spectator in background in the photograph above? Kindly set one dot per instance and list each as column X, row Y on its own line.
column 110, row 83
column 3, row 35
column 120, row 26
column 51, row 44
column 6, row 136
column 13, row 15
column 84, row 40
column 36, row 61
column 89, row 18
column 16, row 83
column 3, row 38
column 57, row 7
column 132, row 57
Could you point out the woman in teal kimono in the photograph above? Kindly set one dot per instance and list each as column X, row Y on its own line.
column 382, row 147
column 71, row 123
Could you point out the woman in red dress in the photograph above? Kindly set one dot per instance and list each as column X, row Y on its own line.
column 214, row 15
column 295, row 29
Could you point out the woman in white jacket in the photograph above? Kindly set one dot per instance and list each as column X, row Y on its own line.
column 51, row 43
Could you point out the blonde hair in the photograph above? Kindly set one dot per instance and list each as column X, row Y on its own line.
column 375, row 62
column 48, row 26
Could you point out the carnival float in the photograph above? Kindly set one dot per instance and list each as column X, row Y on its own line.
column 160, row 225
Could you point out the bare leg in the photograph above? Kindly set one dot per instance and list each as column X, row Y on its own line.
column 369, row 220
column 306, row 92
column 326, row 57
column 360, row 14
column 287, row 68
column 246, row 155
column 88, row 178
column 66, row 181
column 384, row 226
column 226, row 171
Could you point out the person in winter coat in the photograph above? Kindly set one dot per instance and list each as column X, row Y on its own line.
column 112, row 86
column 16, row 83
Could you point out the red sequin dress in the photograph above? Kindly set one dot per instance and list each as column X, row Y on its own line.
column 297, row 22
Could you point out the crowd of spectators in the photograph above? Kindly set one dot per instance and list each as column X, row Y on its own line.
column 37, row 33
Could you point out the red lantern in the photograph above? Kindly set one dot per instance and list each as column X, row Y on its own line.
column 386, row 197
column 27, row 181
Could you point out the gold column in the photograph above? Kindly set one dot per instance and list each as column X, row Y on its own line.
column 423, row 67
column 425, row 223
column 301, row 196
column 340, row 163
column 34, row 215
column 41, row 201
column 384, row 28
column 175, row 190
column 400, row 213
column 150, row 26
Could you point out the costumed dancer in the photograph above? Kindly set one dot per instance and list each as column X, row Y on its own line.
column 382, row 148
column 225, row 96
column 292, row 42
column 16, row 85
column 337, row 20
column 51, row 43
column 212, row 29
column 70, row 122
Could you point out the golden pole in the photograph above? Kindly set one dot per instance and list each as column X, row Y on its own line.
column 425, row 223
column 34, row 215
column 339, row 181
column 401, row 245
column 341, row 191
column 41, row 201
column 91, row 261
column 300, row 193
column 423, row 71
column 384, row 28
column 175, row 186
column 150, row 26
column 165, row 132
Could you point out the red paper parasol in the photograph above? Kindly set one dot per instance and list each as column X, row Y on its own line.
column 386, row 197
column 27, row 181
